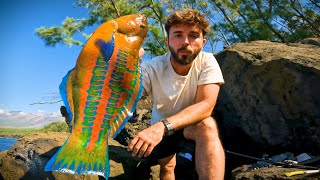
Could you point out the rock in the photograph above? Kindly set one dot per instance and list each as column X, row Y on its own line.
column 144, row 109
column 271, row 94
column 278, row 173
column 270, row 101
column 141, row 113
column 313, row 41
column 28, row 157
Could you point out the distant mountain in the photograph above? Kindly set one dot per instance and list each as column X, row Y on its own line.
column 20, row 119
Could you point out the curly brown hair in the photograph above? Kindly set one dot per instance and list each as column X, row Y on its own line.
column 188, row 17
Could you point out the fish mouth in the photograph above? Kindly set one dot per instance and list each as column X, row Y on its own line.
column 142, row 21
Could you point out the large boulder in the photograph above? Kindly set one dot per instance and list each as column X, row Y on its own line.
column 270, row 101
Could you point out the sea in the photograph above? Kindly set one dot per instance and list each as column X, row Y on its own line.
column 6, row 143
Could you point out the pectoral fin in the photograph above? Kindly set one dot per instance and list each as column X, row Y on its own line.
column 106, row 48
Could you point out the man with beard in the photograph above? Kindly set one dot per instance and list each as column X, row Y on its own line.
column 184, row 85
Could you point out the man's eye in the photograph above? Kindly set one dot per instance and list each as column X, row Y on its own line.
column 194, row 36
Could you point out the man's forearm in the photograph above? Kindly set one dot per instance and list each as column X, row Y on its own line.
column 202, row 109
column 191, row 115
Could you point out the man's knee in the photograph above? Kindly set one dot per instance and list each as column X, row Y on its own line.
column 205, row 128
column 167, row 164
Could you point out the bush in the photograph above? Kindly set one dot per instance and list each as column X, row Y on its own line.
column 59, row 126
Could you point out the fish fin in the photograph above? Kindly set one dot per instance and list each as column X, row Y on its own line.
column 132, row 109
column 106, row 48
column 73, row 159
column 64, row 95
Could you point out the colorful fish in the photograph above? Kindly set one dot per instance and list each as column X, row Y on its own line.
column 100, row 94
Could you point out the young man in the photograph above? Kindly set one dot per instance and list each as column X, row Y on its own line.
column 184, row 85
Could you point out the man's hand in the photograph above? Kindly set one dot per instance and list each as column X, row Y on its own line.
column 144, row 142
column 141, row 52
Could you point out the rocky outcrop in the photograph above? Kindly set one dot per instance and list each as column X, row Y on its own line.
column 28, row 157
column 276, row 173
column 271, row 94
column 270, row 101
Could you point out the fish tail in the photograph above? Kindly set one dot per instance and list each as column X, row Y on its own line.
column 73, row 158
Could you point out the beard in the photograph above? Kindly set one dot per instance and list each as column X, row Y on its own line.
column 185, row 59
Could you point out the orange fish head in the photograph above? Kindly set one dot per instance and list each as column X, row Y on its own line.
column 133, row 25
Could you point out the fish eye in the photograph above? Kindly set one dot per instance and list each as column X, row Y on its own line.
column 142, row 26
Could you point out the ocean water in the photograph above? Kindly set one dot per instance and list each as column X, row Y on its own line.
column 6, row 143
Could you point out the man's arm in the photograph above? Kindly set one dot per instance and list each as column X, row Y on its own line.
column 206, row 99
column 146, row 140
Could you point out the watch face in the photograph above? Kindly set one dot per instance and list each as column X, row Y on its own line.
column 169, row 132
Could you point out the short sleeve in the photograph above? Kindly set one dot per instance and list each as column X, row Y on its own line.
column 146, row 80
column 210, row 70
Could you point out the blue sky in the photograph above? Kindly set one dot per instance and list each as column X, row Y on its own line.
column 29, row 71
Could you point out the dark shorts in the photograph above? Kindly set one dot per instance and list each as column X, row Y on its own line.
column 173, row 144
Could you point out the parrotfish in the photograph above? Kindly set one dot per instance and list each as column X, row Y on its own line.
column 100, row 94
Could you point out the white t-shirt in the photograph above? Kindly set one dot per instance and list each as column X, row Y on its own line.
column 171, row 92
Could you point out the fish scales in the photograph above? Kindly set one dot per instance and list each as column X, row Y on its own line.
column 100, row 95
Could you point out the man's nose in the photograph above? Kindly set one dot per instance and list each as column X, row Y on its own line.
column 185, row 41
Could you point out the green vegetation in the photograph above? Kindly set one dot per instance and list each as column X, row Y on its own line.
column 56, row 127
column 18, row 132
column 231, row 20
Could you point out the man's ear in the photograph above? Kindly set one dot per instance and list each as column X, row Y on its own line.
column 204, row 41
column 167, row 41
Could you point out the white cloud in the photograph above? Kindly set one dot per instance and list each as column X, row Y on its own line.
column 27, row 119
column 22, row 113
column 2, row 111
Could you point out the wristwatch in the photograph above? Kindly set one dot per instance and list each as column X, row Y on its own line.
column 168, row 127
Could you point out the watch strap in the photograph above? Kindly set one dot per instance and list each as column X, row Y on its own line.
column 169, row 130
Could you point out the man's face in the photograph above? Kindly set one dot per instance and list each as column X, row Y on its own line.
column 185, row 43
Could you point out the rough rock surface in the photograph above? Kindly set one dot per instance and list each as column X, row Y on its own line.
column 271, row 94
column 277, row 173
column 28, row 157
column 270, row 101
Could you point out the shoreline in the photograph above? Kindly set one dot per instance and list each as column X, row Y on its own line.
column 14, row 136
column 18, row 132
